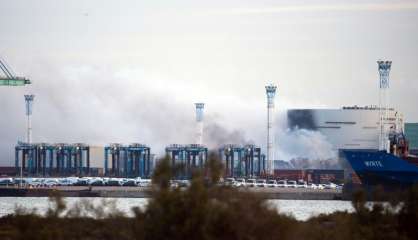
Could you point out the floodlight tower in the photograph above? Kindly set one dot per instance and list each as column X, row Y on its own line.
column 199, row 122
column 384, row 70
column 271, row 92
column 29, row 103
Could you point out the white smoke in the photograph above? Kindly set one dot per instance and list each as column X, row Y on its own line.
column 295, row 144
column 94, row 105
column 99, row 105
column 302, row 143
column 216, row 134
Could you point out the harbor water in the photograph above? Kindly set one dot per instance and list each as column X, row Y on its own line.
column 300, row 209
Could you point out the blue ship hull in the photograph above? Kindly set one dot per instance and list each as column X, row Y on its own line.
column 381, row 168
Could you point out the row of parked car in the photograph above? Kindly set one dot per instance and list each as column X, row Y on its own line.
column 242, row 182
column 75, row 181
column 98, row 181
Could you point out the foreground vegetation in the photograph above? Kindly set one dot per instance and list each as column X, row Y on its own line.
column 206, row 211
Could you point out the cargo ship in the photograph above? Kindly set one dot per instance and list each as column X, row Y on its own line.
column 392, row 168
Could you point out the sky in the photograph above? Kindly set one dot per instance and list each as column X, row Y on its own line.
column 130, row 71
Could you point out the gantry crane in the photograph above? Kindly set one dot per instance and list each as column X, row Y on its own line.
column 10, row 79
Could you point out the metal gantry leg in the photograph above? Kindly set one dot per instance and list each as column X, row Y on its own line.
column 17, row 159
column 24, row 154
column 88, row 161
column 125, row 163
column 44, row 162
column 148, row 159
column 51, row 161
column 131, row 163
column 113, row 164
column 106, row 162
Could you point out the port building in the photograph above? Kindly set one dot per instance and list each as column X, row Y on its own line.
column 346, row 128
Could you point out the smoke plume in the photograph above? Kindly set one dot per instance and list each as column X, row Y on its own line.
column 98, row 105
column 217, row 135
column 302, row 147
column 94, row 105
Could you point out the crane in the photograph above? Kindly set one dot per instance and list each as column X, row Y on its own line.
column 10, row 79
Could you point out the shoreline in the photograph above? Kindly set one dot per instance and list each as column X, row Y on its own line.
column 145, row 192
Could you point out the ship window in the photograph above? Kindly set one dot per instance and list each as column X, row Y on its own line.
column 328, row 127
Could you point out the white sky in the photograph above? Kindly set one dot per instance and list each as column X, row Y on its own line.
column 107, row 71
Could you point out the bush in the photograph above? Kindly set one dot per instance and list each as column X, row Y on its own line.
column 208, row 211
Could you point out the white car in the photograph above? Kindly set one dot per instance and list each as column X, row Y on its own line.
column 138, row 180
column 50, row 182
column 123, row 181
column 114, row 182
column 6, row 181
column 174, row 184
column 312, row 186
column 19, row 180
column 291, row 184
column 282, row 184
column 330, row 186
column 271, row 183
column 261, row 183
column 251, row 182
column 67, row 181
column 145, row 182
column 239, row 182
column 34, row 182
column 302, row 184
column 229, row 181
column 129, row 182
column 97, row 182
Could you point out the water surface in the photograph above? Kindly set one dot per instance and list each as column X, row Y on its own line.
column 300, row 209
